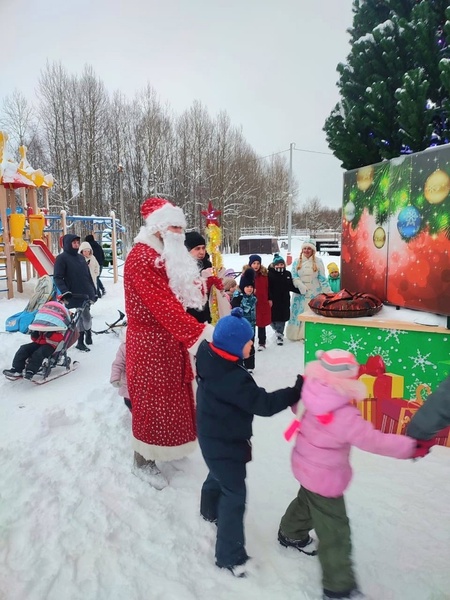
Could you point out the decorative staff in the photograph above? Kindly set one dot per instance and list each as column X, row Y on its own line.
column 214, row 238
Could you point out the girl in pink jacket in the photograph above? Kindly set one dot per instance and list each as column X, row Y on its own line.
column 118, row 375
column 329, row 427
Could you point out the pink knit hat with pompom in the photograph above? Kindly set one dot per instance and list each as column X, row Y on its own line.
column 340, row 363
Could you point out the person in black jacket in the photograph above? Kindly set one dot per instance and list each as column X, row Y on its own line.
column 100, row 256
column 73, row 279
column 433, row 416
column 280, row 286
column 227, row 399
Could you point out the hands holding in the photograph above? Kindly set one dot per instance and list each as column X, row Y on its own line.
column 299, row 383
column 423, row 447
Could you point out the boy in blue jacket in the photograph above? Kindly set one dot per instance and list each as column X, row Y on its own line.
column 227, row 399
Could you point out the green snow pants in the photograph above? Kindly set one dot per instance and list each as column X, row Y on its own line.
column 329, row 519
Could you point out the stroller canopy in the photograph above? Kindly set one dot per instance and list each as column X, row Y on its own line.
column 52, row 316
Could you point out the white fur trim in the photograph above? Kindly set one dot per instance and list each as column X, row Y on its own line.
column 206, row 334
column 163, row 453
column 164, row 217
column 309, row 245
column 150, row 239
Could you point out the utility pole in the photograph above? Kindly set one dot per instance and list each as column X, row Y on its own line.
column 290, row 194
column 122, row 208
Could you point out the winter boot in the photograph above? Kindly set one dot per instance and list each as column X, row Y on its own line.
column 12, row 374
column 147, row 471
column 88, row 337
column 307, row 546
column 80, row 344
column 29, row 375
column 279, row 339
column 354, row 594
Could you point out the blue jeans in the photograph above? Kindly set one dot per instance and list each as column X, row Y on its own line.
column 223, row 498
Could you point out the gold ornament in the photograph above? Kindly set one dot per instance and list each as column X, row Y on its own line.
column 364, row 178
column 437, row 187
column 379, row 237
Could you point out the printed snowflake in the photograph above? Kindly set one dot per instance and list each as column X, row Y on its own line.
column 327, row 337
column 384, row 355
column 354, row 344
column 393, row 333
column 421, row 361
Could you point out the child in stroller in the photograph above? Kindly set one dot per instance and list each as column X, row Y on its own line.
column 53, row 331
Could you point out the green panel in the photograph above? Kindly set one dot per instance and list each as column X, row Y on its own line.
column 416, row 355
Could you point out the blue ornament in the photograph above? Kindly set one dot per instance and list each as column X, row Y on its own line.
column 409, row 221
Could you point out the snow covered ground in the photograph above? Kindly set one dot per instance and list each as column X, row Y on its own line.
column 76, row 524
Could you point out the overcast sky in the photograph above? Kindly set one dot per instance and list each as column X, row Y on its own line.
column 271, row 64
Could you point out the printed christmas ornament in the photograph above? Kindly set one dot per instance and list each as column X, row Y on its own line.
column 364, row 178
column 409, row 221
column 379, row 237
column 349, row 211
column 437, row 187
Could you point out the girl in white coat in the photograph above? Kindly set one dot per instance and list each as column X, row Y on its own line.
column 308, row 276
column 94, row 267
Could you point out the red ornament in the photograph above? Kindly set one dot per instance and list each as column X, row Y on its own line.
column 211, row 215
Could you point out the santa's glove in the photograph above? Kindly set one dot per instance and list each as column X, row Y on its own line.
column 423, row 447
column 216, row 281
column 116, row 384
column 206, row 273
column 65, row 297
column 299, row 285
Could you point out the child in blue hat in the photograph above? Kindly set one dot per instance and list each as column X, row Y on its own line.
column 227, row 399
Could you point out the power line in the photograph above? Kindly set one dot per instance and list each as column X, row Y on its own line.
column 298, row 150
column 312, row 151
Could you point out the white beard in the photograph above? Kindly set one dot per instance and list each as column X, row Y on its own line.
column 182, row 271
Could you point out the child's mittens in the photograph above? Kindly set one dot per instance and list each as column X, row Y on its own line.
column 299, row 285
column 299, row 383
column 423, row 448
column 116, row 384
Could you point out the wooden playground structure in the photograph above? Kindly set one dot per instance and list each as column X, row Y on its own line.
column 28, row 232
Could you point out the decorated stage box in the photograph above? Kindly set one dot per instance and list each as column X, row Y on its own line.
column 417, row 353
column 401, row 363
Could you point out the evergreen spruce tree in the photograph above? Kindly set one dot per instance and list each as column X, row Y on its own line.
column 395, row 86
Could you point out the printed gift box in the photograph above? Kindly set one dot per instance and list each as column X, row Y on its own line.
column 397, row 413
column 368, row 410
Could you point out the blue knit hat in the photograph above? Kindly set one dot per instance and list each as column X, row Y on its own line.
column 232, row 333
column 278, row 260
column 254, row 257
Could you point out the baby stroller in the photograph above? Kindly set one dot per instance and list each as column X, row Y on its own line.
column 59, row 319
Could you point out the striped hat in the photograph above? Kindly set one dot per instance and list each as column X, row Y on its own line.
column 340, row 363
column 52, row 316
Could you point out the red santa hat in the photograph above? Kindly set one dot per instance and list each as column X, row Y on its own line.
column 159, row 214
